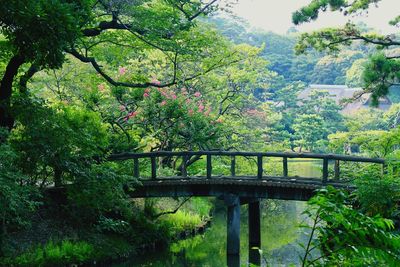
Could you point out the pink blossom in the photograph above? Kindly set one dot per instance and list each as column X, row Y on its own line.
column 201, row 107
column 163, row 103
column 188, row 101
column 146, row 95
column 207, row 111
column 122, row 70
column 155, row 81
column 130, row 115
column 219, row 120
column 190, row 112
column 147, row 90
column 101, row 87
column 173, row 96
column 256, row 113
column 197, row 94
column 184, row 91
column 122, row 108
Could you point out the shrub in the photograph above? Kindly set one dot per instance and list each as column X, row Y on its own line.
column 53, row 254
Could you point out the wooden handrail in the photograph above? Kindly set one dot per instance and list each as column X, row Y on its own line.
column 125, row 156
column 233, row 154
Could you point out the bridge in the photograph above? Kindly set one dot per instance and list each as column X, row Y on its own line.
column 234, row 189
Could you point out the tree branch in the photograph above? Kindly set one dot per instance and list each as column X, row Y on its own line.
column 201, row 11
column 171, row 211
column 97, row 67
column 23, row 81
column 110, row 80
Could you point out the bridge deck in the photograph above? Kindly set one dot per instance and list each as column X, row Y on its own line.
column 290, row 188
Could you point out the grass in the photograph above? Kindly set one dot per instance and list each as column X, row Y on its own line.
column 182, row 221
column 53, row 254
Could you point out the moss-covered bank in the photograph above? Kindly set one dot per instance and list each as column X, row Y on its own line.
column 52, row 240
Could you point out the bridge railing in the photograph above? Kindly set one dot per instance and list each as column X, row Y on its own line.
column 186, row 155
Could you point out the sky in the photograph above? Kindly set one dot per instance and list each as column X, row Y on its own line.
column 275, row 15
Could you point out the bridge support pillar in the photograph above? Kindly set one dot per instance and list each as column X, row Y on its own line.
column 233, row 228
column 254, row 232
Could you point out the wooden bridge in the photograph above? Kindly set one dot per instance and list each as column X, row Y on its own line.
column 234, row 189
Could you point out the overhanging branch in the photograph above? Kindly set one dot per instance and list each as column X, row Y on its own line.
column 172, row 211
column 110, row 80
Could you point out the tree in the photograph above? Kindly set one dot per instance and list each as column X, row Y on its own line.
column 332, row 69
column 354, row 73
column 382, row 69
column 40, row 33
column 53, row 143
column 309, row 128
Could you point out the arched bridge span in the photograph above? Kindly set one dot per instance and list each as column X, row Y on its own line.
column 252, row 185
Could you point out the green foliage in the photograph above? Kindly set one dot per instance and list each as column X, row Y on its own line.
column 380, row 73
column 306, row 127
column 54, row 254
column 55, row 140
column 376, row 143
column 201, row 206
column 111, row 225
column 370, row 185
column 40, row 31
column 18, row 201
column 311, row 11
column 382, row 69
column 345, row 236
column 332, row 69
column 175, row 119
column 98, row 193
column 354, row 73
column 181, row 221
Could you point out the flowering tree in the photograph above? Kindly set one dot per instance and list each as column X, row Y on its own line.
column 174, row 119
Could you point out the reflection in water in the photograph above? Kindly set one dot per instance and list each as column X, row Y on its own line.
column 280, row 237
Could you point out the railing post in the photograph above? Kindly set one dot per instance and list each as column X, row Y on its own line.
column 325, row 171
column 153, row 167
column 337, row 169
column 184, row 169
column 259, row 167
column 285, row 167
column 384, row 169
column 209, row 166
column 233, row 166
column 136, row 168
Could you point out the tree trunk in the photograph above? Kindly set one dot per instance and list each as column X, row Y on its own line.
column 6, row 119
column 57, row 177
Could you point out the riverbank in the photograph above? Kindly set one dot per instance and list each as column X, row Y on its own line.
column 51, row 241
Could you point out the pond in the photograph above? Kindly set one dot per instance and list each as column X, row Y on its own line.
column 280, row 234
